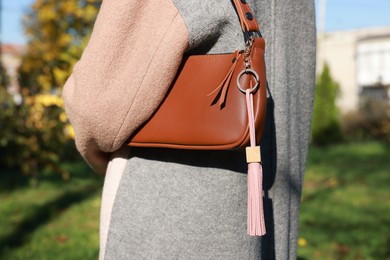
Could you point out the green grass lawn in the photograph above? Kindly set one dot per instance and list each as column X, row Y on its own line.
column 57, row 220
column 345, row 212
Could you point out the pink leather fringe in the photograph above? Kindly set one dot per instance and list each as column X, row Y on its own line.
column 256, row 225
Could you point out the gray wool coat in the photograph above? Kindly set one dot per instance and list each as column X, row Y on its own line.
column 173, row 204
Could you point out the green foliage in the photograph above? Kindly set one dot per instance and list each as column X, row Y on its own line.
column 345, row 212
column 57, row 32
column 370, row 121
column 325, row 125
column 4, row 79
column 32, row 134
column 36, row 135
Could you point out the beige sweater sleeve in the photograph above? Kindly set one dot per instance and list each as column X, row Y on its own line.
column 131, row 59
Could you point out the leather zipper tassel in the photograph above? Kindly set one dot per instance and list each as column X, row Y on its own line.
column 256, row 223
column 222, row 88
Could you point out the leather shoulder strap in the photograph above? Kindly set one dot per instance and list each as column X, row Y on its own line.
column 247, row 19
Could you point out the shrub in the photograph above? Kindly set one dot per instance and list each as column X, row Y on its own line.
column 325, row 125
column 32, row 134
column 370, row 121
column 35, row 135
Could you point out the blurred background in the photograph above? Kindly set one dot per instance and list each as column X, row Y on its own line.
column 50, row 199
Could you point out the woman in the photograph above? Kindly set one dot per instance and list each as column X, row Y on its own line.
column 172, row 204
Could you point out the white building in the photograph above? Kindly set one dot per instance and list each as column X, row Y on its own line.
column 11, row 59
column 359, row 61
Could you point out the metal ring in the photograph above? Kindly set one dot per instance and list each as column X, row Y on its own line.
column 248, row 71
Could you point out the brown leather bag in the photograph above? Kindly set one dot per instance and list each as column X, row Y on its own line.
column 204, row 108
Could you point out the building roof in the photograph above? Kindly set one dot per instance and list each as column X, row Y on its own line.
column 362, row 33
column 13, row 49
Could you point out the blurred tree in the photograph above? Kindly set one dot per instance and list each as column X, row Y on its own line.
column 325, row 124
column 57, row 32
column 36, row 135
column 3, row 77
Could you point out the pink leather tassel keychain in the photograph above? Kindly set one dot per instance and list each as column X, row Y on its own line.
column 256, row 225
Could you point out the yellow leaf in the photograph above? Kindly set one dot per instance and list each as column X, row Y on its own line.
column 69, row 132
column 302, row 242
column 60, row 75
column 63, row 117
